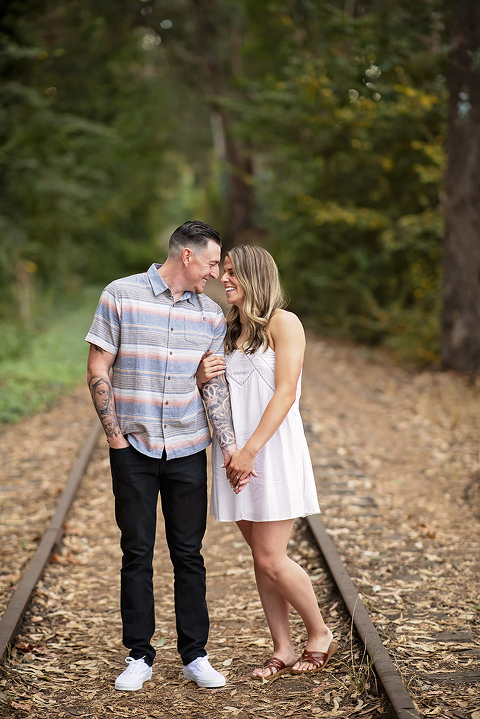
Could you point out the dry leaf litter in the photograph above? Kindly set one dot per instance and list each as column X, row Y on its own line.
column 395, row 456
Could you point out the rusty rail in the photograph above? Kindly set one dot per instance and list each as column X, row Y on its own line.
column 12, row 617
column 391, row 680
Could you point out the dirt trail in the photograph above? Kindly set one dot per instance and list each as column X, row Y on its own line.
column 392, row 453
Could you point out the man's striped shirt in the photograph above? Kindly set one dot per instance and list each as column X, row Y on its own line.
column 158, row 344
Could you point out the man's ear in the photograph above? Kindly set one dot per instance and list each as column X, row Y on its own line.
column 187, row 256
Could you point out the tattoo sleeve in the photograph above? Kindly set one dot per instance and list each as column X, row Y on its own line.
column 217, row 403
column 102, row 396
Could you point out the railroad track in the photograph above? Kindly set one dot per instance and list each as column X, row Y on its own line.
column 12, row 617
column 399, row 698
column 400, row 701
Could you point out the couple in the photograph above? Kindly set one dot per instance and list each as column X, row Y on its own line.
column 156, row 339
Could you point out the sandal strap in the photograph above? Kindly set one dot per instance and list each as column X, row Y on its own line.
column 318, row 659
column 274, row 663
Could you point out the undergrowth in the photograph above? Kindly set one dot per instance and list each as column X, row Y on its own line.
column 38, row 367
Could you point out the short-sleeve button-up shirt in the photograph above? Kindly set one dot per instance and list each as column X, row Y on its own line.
column 158, row 344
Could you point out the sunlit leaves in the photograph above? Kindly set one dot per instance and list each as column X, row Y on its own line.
column 350, row 117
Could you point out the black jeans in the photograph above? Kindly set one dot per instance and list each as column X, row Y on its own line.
column 182, row 483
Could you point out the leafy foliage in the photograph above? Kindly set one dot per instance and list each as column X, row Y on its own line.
column 350, row 118
column 45, row 365
column 110, row 137
column 81, row 151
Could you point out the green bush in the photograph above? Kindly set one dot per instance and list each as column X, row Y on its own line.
column 49, row 364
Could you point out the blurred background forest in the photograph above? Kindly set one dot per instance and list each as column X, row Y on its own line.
column 317, row 129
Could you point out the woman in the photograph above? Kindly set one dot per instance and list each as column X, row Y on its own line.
column 264, row 347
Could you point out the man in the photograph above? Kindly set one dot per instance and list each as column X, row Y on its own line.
column 151, row 330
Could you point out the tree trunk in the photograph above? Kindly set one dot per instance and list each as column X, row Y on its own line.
column 461, row 261
column 240, row 226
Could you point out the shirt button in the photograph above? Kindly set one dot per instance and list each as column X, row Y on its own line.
column 168, row 377
column 171, row 353
column 166, row 402
column 171, row 329
column 164, row 426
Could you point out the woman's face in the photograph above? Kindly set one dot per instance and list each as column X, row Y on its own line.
column 233, row 289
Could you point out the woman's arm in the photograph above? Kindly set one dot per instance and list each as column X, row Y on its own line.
column 289, row 340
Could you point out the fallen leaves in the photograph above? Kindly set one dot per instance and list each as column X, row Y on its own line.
column 37, row 456
column 413, row 549
column 411, row 553
column 22, row 705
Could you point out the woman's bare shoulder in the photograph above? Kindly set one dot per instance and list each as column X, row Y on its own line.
column 284, row 321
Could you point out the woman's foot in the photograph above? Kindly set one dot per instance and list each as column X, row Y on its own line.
column 272, row 668
column 316, row 654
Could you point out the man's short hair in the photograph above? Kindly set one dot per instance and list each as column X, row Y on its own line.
column 193, row 234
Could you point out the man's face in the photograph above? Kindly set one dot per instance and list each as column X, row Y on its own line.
column 202, row 266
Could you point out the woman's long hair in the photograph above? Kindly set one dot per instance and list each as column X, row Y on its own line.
column 257, row 274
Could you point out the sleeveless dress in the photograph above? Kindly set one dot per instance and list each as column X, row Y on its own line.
column 285, row 486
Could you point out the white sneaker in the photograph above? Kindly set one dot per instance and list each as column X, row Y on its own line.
column 134, row 675
column 202, row 672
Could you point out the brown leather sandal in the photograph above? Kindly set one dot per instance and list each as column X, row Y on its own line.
column 273, row 663
column 318, row 659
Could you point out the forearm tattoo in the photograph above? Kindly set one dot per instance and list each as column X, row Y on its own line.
column 217, row 403
column 102, row 396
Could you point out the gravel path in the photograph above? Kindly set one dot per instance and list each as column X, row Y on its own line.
column 393, row 453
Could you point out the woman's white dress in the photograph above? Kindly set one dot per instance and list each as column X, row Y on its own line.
column 285, row 486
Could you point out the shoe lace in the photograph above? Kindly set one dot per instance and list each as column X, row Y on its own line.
column 201, row 662
column 135, row 666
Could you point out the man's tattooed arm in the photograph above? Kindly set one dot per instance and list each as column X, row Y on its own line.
column 99, row 365
column 217, row 403
column 102, row 396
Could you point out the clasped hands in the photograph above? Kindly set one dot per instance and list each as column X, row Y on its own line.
column 239, row 468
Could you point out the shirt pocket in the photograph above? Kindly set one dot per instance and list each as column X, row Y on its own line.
column 196, row 332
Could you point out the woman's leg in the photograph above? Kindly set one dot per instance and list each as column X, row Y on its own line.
column 276, row 610
column 286, row 579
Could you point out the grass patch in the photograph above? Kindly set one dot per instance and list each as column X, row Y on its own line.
column 46, row 365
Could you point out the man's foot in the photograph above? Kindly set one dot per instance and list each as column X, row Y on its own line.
column 134, row 675
column 272, row 668
column 202, row 672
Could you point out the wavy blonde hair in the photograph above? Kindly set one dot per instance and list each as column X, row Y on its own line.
column 257, row 274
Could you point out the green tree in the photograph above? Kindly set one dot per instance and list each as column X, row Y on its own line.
column 82, row 148
column 204, row 47
column 322, row 124
column 348, row 118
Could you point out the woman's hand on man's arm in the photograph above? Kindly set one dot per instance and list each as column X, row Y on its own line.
column 210, row 366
